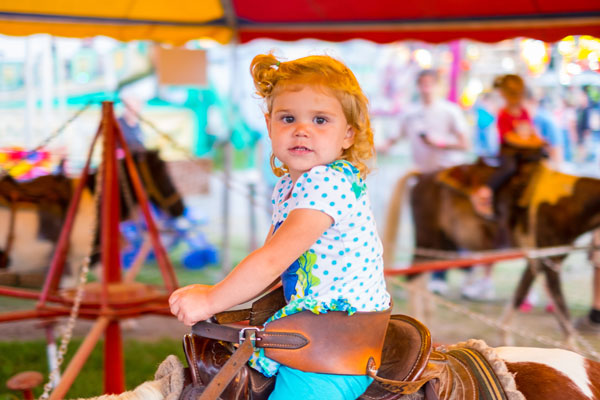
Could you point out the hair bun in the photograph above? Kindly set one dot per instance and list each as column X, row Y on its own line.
column 264, row 72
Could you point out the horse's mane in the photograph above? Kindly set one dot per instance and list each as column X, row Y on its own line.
column 505, row 377
column 168, row 384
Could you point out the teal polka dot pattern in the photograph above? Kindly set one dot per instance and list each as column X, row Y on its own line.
column 349, row 251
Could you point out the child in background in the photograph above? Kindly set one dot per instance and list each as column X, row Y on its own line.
column 323, row 241
column 516, row 133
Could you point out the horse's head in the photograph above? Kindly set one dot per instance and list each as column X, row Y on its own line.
column 158, row 183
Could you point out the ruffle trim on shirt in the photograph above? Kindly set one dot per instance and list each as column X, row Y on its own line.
column 268, row 367
column 352, row 173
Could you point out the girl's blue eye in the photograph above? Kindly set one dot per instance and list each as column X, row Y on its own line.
column 288, row 119
column 320, row 120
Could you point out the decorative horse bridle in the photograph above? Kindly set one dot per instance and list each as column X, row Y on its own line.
column 164, row 202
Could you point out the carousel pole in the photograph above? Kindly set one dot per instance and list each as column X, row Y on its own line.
column 226, row 262
column 114, row 381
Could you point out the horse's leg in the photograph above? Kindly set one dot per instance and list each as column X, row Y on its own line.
column 557, row 296
column 417, row 302
column 520, row 294
column 10, row 238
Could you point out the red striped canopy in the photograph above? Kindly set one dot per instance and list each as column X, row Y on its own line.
column 382, row 21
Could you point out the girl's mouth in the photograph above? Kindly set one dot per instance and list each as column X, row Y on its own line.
column 300, row 149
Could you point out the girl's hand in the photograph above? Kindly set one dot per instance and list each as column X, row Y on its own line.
column 191, row 304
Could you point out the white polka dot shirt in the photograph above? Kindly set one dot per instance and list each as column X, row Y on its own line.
column 346, row 261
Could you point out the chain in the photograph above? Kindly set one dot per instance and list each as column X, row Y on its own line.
column 190, row 157
column 83, row 276
column 183, row 150
column 50, row 137
column 528, row 252
column 589, row 350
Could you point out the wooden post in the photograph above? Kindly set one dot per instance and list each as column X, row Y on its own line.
column 79, row 359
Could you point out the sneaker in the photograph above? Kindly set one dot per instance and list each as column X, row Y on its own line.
column 480, row 290
column 526, row 306
column 438, row 286
column 585, row 324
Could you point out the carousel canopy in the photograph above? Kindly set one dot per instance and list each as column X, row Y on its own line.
column 178, row 21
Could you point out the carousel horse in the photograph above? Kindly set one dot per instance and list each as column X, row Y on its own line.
column 409, row 368
column 537, row 207
column 35, row 211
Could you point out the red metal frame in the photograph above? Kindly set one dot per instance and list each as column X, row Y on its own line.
column 106, row 313
column 440, row 265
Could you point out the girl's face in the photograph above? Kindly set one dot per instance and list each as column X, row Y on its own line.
column 307, row 128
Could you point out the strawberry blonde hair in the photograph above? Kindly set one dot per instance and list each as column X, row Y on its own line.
column 272, row 76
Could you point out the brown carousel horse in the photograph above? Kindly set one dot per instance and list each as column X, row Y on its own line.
column 409, row 368
column 34, row 211
column 537, row 207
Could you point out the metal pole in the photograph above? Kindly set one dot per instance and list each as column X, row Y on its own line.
column 226, row 264
column 225, row 242
column 47, row 82
column 30, row 92
column 253, row 239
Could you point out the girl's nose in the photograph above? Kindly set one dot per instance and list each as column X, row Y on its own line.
column 301, row 130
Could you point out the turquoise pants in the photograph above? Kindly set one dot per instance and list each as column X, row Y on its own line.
column 293, row 384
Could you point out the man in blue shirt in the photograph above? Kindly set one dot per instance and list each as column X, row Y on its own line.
column 130, row 124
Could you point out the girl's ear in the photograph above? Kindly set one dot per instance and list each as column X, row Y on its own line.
column 348, row 138
column 268, row 122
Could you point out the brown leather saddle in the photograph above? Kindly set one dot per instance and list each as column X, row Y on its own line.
column 406, row 352
column 408, row 365
column 465, row 178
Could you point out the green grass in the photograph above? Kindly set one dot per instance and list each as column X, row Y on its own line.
column 141, row 357
column 141, row 361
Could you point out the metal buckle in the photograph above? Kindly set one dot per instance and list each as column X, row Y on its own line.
column 242, row 334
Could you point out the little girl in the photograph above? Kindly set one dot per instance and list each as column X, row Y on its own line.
column 323, row 242
column 517, row 135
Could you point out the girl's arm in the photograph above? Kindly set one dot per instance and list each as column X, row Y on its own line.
column 257, row 271
column 276, row 281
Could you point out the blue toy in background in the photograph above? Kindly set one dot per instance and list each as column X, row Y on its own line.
column 173, row 232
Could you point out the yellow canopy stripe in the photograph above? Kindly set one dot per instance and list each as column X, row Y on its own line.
column 123, row 20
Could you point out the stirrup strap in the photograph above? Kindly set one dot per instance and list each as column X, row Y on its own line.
column 261, row 339
column 262, row 309
column 218, row 384
column 400, row 387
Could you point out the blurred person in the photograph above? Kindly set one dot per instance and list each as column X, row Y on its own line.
column 567, row 121
column 545, row 125
column 581, row 103
column 589, row 128
column 516, row 132
column 129, row 123
column 437, row 132
column 435, row 128
column 485, row 139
